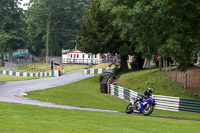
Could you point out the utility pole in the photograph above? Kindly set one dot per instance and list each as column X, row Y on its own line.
column 48, row 29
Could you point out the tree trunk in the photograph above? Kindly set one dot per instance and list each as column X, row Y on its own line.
column 10, row 53
column 123, row 64
column 160, row 64
column 47, row 31
column 2, row 59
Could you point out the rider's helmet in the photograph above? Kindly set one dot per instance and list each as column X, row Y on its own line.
column 150, row 90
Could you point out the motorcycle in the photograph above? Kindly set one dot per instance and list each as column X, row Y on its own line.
column 141, row 105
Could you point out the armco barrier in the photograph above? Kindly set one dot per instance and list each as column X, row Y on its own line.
column 162, row 102
column 190, row 105
column 54, row 73
column 94, row 71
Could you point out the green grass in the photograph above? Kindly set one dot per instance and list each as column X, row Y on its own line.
column 105, row 65
column 35, row 67
column 102, row 65
column 35, row 119
column 6, row 78
column 68, row 68
column 138, row 81
column 86, row 93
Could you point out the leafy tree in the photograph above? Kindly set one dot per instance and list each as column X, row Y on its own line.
column 168, row 28
column 56, row 22
column 11, row 26
column 98, row 35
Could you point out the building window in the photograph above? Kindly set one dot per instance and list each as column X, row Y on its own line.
column 74, row 55
column 77, row 55
column 71, row 55
column 95, row 56
column 83, row 56
column 88, row 55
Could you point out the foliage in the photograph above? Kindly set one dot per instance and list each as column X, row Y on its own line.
column 168, row 28
column 64, row 18
column 11, row 25
column 98, row 35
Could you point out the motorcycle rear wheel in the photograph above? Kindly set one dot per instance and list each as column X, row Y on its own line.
column 148, row 109
column 129, row 108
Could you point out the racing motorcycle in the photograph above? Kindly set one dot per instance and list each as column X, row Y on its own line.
column 141, row 105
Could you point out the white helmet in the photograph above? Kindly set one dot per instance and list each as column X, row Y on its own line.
column 150, row 90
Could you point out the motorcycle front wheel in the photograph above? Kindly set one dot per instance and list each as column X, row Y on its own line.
column 148, row 109
column 129, row 108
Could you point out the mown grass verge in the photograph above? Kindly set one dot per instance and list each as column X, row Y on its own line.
column 141, row 80
column 86, row 93
column 28, row 118
column 6, row 78
column 68, row 68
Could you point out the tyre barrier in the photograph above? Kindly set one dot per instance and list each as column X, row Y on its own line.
column 162, row 102
column 53, row 73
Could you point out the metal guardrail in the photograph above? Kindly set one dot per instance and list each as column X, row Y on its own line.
column 162, row 102
column 190, row 105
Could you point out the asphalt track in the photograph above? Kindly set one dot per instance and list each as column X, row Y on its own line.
column 13, row 92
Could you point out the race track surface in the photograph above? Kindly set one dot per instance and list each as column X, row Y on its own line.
column 12, row 92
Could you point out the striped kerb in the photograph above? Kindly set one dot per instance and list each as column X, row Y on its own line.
column 28, row 74
column 34, row 74
column 38, row 74
column 126, row 94
column 116, row 93
column 21, row 74
column 1, row 71
column 95, row 71
column 43, row 74
column 189, row 105
column 47, row 74
column 14, row 74
column 103, row 70
column 7, row 72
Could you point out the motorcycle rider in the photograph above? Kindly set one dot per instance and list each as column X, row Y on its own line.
column 146, row 94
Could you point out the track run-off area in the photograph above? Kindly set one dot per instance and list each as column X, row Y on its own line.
column 13, row 92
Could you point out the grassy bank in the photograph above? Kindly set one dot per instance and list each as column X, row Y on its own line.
column 86, row 93
column 141, row 80
column 28, row 118
column 68, row 68
column 6, row 78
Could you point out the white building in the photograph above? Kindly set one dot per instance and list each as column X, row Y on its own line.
column 78, row 57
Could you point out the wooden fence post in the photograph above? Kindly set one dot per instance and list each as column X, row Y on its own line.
column 176, row 75
column 170, row 69
column 185, row 81
column 164, row 64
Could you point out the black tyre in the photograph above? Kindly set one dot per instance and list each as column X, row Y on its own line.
column 148, row 109
column 129, row 108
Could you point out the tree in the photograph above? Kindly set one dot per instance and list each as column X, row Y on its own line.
column 167, row 28
column 11, row 29
column 98, row 35
column 53, row 25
